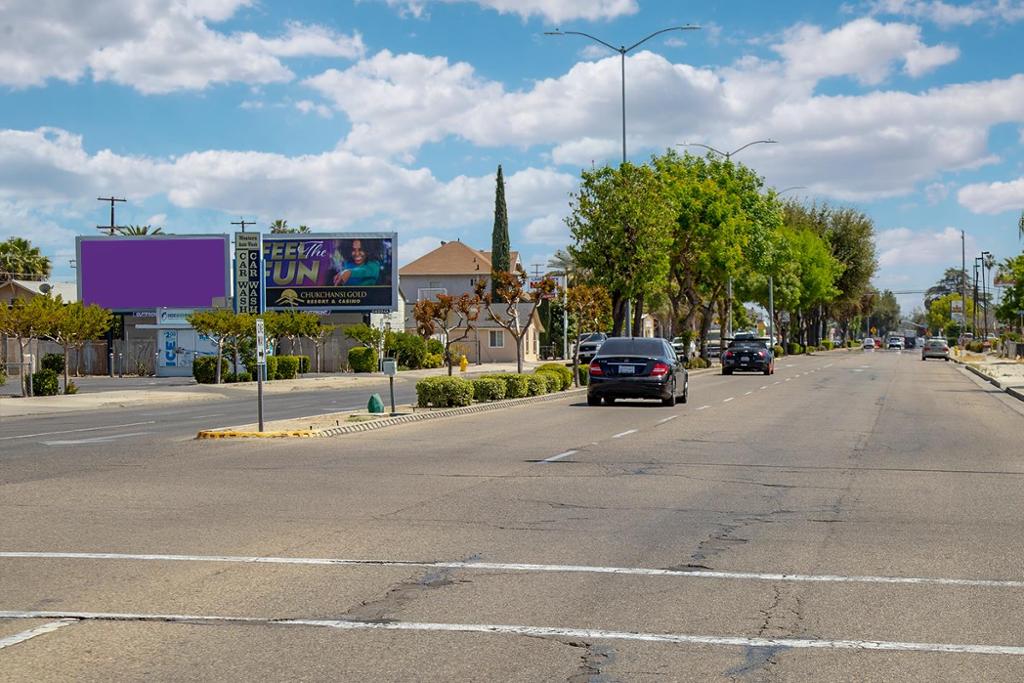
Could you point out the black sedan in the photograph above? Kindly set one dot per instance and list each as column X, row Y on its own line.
column 637, row 367
column 748, row 354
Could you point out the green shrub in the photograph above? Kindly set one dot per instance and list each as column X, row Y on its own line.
column 242, row 376
column 271, row 368
column 444, row 392
column 779, row 351
column 827, row 345
column 794, row 349
column 976, row 346
column 488, row 389
column 204, row 369
column 45, row 383
column 536, row 385
column 3, row 373
column 52, row 361
column 433, row 360
column 516, row 385
column 287, row 367
column 852, row 344
column 553, row 379
column 410, row 349
column 304, row 364
column 564, row 373
column 71, row 388
column 583, row 372
column 435, row 346
column 362, row 359
column 697, row 363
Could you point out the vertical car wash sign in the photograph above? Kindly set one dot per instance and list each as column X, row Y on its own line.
column 248, row 272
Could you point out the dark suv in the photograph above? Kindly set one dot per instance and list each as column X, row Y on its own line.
column 637, row 367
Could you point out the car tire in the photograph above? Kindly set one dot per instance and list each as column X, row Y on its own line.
column 609, row 400
column 686, row 391
column 726, row 371
column 671, row 400
column 593, row 400
column 946, row 359
column 768, row 369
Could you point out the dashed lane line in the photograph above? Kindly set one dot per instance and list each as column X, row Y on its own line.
column 97, row 439
column 625, row 433
column 33, row 632
column 554, row 458
column 75, row 431
column 537, row 631
column 764, row 387
column 726, row 400
column 748, row 393
column 666, row 419
column 703, row 408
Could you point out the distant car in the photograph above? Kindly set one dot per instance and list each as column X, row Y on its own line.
column 878, row 343
column 869, row 343
column 748, row 353
column 637, row 367
column 589, row 343
column 682, row 348
column 936, row 347
column 895, row 343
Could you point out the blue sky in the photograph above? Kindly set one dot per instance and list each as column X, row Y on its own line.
column 394, row 114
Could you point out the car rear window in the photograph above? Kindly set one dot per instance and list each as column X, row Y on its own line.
column 747, row 344
column 632, row 347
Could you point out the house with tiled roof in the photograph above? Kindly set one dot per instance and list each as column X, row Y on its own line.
column 454, row 268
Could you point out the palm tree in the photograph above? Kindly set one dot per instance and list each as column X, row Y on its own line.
column 20, row 260
column 280, row 225
column 304, row 229
column 1020, row 226
column 138, row 230
column 563, row 263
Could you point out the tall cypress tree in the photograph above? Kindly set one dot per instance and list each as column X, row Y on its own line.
column 500, row 251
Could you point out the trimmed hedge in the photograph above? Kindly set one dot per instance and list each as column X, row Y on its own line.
column 779, row 351
column 433, row 360
column 304, row 364
column 242, row 376
column 828, row 345
column 45, row 382
column 697, row 363
column 287, row 367
column 444, row 392
column 52, row 361
column 536, row 385
column 794, row 349
column 362, row 359
column 271, row 368
column 435, row 346
column 516, row 385
column 204, row 369
column 584, row 374
column 488, row 389
column 410, row 349
column 564, row 373
column 553, row 379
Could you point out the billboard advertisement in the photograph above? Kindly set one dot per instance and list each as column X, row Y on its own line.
column 335, row 272
column 153, row 271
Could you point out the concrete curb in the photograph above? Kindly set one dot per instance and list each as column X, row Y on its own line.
column 1014, row 392
column 400, row 419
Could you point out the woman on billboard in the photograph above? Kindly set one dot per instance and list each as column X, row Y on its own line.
column 355, row 264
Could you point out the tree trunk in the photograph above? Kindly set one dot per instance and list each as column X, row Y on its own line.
column 65, row 369
column 638, row 317
column 519, row 354
column 618, row 311
column 220, row 355
column 25, row 385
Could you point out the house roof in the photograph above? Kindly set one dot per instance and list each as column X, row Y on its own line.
column 453, row 258
column 68, row 291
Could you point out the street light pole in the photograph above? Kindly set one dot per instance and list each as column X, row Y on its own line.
column 623, row 51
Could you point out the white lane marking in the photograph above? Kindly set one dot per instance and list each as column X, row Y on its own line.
column 625, row 433
column 33, row 632
column 829, row 365
column 726, row 400
column 523, row 567
column 789, row 379
column 858, row 370
column 777, row 382
column 96, row 439
column 748, row 393
column 541, row 631
column 553, row 458
column 703, row 408
column 789, row 365
column 73, row 431
column 666, row 419
column 764, row 387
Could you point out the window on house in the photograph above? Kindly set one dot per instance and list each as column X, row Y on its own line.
column 496, row 339
column 434, row 284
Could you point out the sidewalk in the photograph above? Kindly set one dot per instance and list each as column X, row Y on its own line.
column 1007, row 372
column 106, row 392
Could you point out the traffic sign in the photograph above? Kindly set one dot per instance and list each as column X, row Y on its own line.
column 261, row 343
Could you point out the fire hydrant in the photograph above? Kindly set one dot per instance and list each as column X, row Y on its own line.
column 463, row 363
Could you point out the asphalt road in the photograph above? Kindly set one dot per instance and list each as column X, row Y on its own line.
column 854, row 517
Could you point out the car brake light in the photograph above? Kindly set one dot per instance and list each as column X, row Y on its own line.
column 760, row 354
column 659, row 369
column 595, row 369
column 728, row 354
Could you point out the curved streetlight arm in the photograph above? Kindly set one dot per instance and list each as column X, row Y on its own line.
column 794, row 187
column 701, row 144
column 688, row 27
column 755, row 142
column 586, row 35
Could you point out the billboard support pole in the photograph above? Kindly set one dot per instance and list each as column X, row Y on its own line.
column 261, row 364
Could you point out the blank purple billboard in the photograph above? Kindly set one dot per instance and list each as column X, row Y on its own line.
column 140, row 273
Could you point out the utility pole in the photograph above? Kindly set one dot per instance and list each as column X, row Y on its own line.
column 113, row 226
column 963, row 280
column 243, row 223
column 974, row 314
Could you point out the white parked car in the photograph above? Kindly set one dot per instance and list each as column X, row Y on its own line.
column 869, row 343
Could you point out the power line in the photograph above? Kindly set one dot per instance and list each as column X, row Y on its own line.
column 243, row 223
column 113, row 226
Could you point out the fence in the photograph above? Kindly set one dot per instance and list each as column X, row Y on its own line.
column 131, row 357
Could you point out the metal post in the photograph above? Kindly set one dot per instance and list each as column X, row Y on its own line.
column 771, row 308
column 728, row 304
column 565, row 319
column 391, row 381
column 261, row 365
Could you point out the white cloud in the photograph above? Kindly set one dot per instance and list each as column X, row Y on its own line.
column 863, row 49
column 154, row 46
column 902, row 247
column 157, row 220
column 411, row 249
column 550, row 229
column 936, row 192
column 321, row 110
column 584, row 151
column 549, row 10
column 948, row 15
column 992, row 198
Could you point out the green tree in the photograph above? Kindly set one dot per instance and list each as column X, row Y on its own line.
column 26, row 320
column 138, row 230
column 590, row 306
column 280, row 227
column 19, row 260
column 951, row 282
column 221, row 326
column 74, row 325
column 621, row 221
column 501, row 255
column 1011, row 270
column 940, row 317
column 444, row 315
